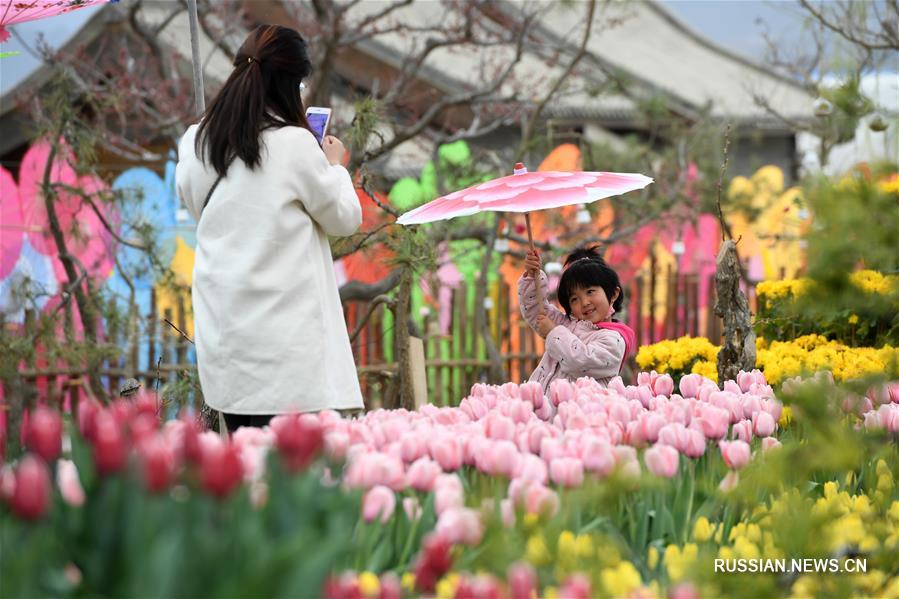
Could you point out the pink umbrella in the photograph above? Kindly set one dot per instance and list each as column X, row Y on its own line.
column 526, row 192
column 19, row 11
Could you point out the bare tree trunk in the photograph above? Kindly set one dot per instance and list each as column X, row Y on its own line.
column 83, row 300
column 738, row 351
column 496, row 373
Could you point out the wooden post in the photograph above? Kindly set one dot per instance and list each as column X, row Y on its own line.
column 417, row 368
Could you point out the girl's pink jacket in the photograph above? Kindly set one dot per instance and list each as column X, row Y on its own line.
column 574, row 348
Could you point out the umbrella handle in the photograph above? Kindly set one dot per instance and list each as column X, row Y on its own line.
column 536, row 275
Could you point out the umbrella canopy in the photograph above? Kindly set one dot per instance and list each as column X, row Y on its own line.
column 526, row 192
column 19, row 11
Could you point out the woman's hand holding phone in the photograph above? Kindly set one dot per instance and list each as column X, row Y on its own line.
column 334, row 150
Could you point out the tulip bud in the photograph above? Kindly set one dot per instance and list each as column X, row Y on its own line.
column 44, row 433
column 109, row 443
column 31, row 498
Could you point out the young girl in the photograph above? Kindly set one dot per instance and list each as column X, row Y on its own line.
column 584, row 341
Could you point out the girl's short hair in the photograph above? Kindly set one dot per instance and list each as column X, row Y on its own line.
column 584, row 268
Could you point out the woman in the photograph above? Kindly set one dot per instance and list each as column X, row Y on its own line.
column 270, row 333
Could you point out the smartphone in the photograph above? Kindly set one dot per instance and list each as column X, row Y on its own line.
column 318, row 118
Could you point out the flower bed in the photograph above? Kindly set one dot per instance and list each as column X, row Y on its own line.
column 625, row 491
column 778, row 360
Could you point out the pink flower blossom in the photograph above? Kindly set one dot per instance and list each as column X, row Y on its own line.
column 379, row 503
column 69, row 483
column 662, row 460
column 460, row 526
column 736, row 454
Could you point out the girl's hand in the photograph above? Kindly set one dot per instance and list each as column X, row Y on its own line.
column 532, row 263
column 334, row 150
column 544, row 325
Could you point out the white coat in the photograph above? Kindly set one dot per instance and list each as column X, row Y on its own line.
column 270, row 332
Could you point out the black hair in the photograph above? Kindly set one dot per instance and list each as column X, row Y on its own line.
column 584, row 268
column 262, row 92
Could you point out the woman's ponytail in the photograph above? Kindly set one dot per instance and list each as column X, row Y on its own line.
column 262, row 91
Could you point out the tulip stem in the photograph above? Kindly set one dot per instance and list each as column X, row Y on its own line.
column 691, row 488
column 408, row 547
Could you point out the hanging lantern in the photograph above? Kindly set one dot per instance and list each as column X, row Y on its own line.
column 822, row 107
column 878, row 123
column 552, row 268
column 677, row 248
column 501, row 245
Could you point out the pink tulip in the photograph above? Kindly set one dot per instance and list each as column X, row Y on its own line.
column 598, row 457
column 522, row 579
column 567, row 472
column 769, row 443
column 532, row 393
column 662, row 460
column 336, row 445
column 617, row 385
column 644, row 395
column 889, row 417
column 447, row 452
column 391, row 587
column 751, row 405
column 541, row 500
column 649, row 426
column 7, row 483
column 545, row 412
column 378, row 504
column 412, row 447
column 684, row 590
column 712, row 421
column 873, row 421
column 706, row 389
column 502, row 459
column 730, row 481
column 696, row 444
column 736, row 454
column 745, row 380
column 577, row 586
column 742, row 431
column 560, row 391
column 412, row 508
column 31, row 497
column 626, row 460
column 663, row 385
column 87, row 410
column 422, row 473
column 460, row 526
column 499, row 427
column 44, row 433
column 69, row 484
column 158, row 464
column 534, row 469
column 644, row 379
column 507, row 512
column 221, row 469
column 763, row 424
column 733, row 387
column 448, row 493
column 675, row 435
column 299, row 438
column 109, row 443
column 689, row 385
